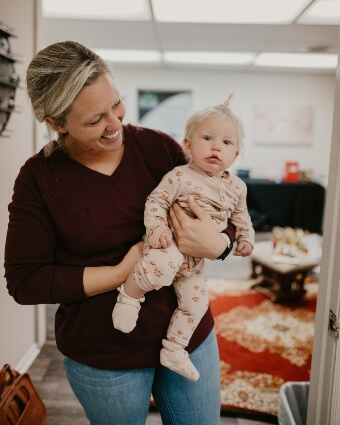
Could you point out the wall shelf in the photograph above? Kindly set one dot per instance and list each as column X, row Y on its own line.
column 9, row 80
column 7, row 56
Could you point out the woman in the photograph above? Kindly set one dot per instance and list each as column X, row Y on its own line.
column 75, row 231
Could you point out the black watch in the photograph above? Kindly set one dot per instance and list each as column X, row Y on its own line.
column 226, row 252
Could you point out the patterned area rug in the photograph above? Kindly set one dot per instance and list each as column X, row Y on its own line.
column 262, row 344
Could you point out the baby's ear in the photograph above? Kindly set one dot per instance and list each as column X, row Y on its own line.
column 187, row 146
column 57, row 127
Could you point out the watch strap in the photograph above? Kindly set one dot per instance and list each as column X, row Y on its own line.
column 229, row 247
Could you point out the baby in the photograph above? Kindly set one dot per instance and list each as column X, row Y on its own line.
column 213, row 139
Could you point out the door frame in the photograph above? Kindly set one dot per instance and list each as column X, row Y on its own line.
column 323, row 405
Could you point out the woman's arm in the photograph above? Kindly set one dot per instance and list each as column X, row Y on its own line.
column 49, row 284
column 198, row 237
column 106, row 278
column 33, row 274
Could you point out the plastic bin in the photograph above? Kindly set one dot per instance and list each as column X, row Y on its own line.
column 293, row 403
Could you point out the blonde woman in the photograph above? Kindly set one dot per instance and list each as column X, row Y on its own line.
column 74, row 234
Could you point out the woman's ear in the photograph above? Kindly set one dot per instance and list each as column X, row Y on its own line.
column 57, row 127
column 187, row 146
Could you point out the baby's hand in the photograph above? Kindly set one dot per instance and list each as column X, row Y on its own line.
column 243, row 249
column 165, row 239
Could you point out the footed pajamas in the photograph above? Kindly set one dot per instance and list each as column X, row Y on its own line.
column 223, row 198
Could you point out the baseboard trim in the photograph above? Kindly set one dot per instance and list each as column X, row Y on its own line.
column 28, row 358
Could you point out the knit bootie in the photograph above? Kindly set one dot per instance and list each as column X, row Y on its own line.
column 126, row 311
column 177, row 359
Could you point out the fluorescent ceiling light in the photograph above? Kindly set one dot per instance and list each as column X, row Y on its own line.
column 297, row 60
column 228, row 11
column 322, row 12
column 129, row 56
column 209, row 58
column 131, row 10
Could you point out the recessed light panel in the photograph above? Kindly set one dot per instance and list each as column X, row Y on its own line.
column 209, row 58
column 129, row 56
column 297, row 60
column 322, row 12
column 116, row 10
column 228, row 11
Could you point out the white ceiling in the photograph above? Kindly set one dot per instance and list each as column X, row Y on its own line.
column 217, row 37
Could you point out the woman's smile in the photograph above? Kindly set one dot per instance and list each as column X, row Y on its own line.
column 111, row 136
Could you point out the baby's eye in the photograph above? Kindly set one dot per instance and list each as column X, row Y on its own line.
column 226, row 142
column 207, row 138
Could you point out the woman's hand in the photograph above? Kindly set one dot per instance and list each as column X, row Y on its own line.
column 134, row 254
column 197, row 237
column 107, row 278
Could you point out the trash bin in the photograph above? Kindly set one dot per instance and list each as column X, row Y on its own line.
column 293, row 403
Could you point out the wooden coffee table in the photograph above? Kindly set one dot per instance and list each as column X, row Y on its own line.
column 279, row 281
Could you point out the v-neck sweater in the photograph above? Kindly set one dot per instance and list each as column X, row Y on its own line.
column 65, row 217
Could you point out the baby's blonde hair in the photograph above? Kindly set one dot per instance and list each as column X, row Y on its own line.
column 221, row 111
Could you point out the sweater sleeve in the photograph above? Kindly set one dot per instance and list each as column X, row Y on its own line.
column 32, row 275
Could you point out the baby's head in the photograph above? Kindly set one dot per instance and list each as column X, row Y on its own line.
column 213, row 138
column 221, row 111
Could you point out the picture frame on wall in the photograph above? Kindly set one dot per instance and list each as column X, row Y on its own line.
column 165, row 110
column 280, row 124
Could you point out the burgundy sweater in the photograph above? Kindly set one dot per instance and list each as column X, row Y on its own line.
column 64, row 217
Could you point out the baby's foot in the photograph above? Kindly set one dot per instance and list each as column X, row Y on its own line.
column 177, row 359
column 126, row 311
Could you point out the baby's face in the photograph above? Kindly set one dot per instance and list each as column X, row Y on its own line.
column 213, row 145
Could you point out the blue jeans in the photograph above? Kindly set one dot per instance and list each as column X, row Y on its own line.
column 122, row 397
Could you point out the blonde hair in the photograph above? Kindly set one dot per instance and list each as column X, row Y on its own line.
column 55, row 77
column 221, row 111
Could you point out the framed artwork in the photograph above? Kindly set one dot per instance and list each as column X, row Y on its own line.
column 279, row 124
column 165, row 110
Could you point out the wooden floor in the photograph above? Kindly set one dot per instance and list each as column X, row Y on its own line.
column 48, row 374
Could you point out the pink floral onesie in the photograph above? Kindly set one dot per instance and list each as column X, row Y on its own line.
column 224, row 198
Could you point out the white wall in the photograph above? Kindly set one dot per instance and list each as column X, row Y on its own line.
column 18, row 335
column 210, row 88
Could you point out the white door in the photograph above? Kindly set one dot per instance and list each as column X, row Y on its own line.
column 324, row 396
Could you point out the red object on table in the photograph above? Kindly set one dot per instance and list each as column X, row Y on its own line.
column 292, row 172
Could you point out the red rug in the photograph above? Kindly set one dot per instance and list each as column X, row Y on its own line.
column 262, row 344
